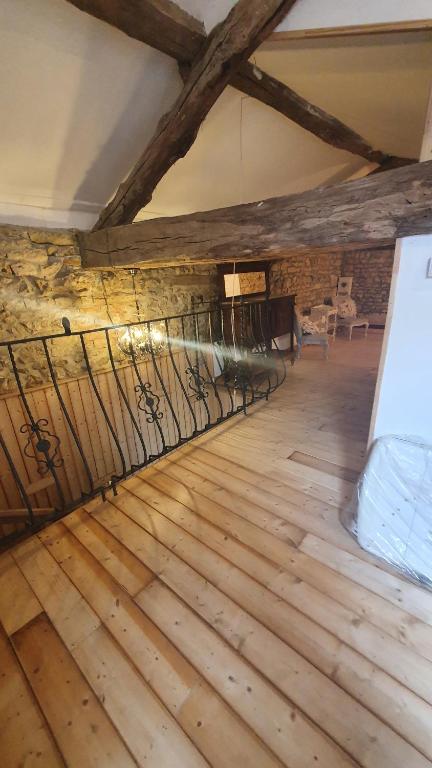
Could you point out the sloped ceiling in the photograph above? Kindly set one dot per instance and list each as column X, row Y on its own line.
column 245, row 151
column 309, row 14
column 211, row 12
column 81, row 100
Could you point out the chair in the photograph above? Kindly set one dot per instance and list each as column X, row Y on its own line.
column 347, row 315
column 325, row 317
column 306, row 337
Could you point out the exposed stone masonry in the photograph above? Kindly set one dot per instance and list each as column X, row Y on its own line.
column 371, row 272
column 311, row 278
column 41, row 280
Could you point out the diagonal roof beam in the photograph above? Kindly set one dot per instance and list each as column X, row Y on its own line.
column 163, row 25
column 159, row 23
column 246, row 26
column 253, row 81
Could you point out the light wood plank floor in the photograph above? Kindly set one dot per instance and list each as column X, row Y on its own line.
column 216, row 613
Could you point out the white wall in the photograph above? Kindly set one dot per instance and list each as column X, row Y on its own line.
column 403, row 397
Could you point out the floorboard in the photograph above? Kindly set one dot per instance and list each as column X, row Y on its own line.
column 216, row 613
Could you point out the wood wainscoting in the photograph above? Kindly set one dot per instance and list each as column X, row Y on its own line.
column 100, row 450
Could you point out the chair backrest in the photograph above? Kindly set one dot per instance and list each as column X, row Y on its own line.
column 346, row 306
column 320, row 318
column 344, row 286
column 305, row 327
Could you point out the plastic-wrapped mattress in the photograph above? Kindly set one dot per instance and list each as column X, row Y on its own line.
column 391, row 511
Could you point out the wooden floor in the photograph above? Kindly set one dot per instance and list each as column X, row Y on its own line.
column 216, row 613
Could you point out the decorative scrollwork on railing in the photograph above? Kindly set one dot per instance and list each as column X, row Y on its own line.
column 197, row 383
column 184, row 375
column 48, row 448
column 239, row 373
column 148, row 402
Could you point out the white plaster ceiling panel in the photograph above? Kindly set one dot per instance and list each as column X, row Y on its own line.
column 378, row 85
column 211, row 12
column 79, row 100
column 238, row 160
column 312, row 14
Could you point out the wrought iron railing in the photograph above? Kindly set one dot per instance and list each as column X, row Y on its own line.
column 108, row 401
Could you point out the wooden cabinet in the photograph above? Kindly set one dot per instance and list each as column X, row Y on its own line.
column 251, row 321
column 249, row 315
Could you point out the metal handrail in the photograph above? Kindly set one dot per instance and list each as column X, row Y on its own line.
column 176, row 378
column 113, row 327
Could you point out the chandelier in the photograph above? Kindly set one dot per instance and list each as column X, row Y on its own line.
column 137, row 341
column 144, row 339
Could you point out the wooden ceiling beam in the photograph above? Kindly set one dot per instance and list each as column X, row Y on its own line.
column 374, row 210
column 353, row 30
column 253, row 81
column 159, row 23
column 163, row 25
column 246, row 26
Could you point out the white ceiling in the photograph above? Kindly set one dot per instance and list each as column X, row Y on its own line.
column 81, row 100
column 211, row 12
column 308, row 14
column 78, row 100
column 245, row 151
column 340, row 13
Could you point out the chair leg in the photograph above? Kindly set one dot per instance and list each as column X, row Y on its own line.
column 350, row 332
column 366, row 329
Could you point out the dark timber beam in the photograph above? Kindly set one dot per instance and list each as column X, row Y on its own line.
column 354, row 30
column 374, row 211
column 246, row 26
column 159, row 23
column 163, row 25
column 254, row 82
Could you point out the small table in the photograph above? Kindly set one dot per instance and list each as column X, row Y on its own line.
column 326, row 314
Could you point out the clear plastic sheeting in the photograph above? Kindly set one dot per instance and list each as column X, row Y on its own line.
column 390, row 514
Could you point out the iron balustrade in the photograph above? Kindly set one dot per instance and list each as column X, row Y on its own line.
column 140, row 390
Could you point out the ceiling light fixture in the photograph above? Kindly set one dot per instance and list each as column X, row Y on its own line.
column 143, row 339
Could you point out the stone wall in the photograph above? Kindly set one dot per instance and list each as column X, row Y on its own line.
column 312, row 278
column 371, row 272
column 41, row 281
